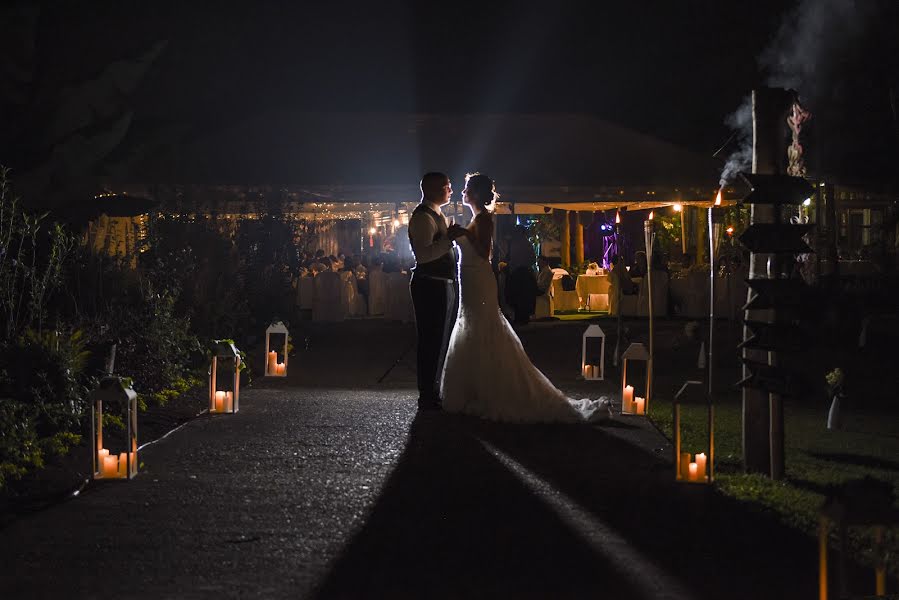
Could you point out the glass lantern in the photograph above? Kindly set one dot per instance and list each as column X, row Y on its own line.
column 698, row 468
column 274, row 350
column 114, row 391
column 631, row 403
column 224, row 378
column 593, row 354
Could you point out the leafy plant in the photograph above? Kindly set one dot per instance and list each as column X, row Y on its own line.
column 31, row 264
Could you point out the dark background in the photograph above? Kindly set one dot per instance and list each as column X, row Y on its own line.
column 675, row 70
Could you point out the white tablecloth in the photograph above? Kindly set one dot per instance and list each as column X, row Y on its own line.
column 593, row 291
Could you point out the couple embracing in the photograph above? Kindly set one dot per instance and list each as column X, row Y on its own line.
column 472, row 362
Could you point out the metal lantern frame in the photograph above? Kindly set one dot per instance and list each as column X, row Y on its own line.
column 277, row 328
column 114, row 390
column 694, row 393
column 635, row 352
column 228, row 353
column 593, row 332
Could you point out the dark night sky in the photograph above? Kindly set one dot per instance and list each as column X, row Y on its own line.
column 671, row 69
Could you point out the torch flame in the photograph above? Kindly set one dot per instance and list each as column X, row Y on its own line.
column 651, row 213
column 617, row 217
column 718, row 198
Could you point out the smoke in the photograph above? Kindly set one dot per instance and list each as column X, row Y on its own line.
column 740, row 122
column 811, row 37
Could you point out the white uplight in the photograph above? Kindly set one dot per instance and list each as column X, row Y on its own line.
column 807, row 202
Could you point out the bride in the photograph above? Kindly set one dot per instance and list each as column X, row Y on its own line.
column 487, row 372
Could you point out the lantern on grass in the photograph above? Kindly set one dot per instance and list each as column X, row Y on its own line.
column 224, row 378
column 866, row 502
column 593, row 354
column 113, row 464
column 690, row 468
column 274, row 349
column 631, row 403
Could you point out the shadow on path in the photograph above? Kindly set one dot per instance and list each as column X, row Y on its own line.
column 478, row 509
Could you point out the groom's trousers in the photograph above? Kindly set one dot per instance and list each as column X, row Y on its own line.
column 434, row 301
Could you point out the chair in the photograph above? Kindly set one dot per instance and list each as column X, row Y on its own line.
column 637, row 305
column 305, row 293
column 377, row 292
column 544, row 308
column 399, row 298
column 351, row 302
column 327, row 305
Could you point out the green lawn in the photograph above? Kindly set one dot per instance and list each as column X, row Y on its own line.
column 816, row 458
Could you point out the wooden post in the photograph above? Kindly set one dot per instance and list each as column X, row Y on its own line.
column 578, row 242
column 565, row 251
column 700, row 238
column 763, row 412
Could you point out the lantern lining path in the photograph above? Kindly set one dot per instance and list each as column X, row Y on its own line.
column 596, row 367
column 864, row 502
column 272, row 367
column 629, row 404
column 224, row 403
column 693, row 392
column 114, row 390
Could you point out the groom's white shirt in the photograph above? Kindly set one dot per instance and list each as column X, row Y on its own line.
column 422, row 233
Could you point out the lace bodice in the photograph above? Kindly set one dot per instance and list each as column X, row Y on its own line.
column 469, row 256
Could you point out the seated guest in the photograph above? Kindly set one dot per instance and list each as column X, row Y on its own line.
column 639, row 267
column 621, row 277
column 592, row 269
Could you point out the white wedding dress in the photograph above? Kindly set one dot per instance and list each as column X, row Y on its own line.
column 487, row 372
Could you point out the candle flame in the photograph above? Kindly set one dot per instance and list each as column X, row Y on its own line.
column 718, row 198
column 617, row 217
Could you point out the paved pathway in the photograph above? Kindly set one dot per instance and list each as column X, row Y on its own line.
column 328, row 485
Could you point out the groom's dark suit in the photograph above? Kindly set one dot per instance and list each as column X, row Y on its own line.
column 433, row 288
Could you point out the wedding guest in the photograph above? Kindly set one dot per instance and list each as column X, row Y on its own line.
column 639, row 267
column 521, row 285
column 621, row 277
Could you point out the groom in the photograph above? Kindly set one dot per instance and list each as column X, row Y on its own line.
column 433, row 284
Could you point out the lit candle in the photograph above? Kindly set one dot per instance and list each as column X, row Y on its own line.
column 219, row 402
column 684, row 464
column 272, row 362
column 627, row 399
column 700, row 465
column 588, row 371
column 282, row 369
column 110, row 466
column 694, row 472
column 123, row 464
column 641, row 405
column 228, row 404
column 101, row 454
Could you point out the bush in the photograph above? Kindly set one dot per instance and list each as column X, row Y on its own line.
column 43, row 399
